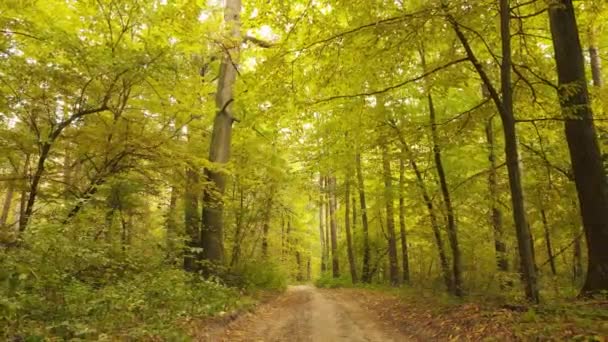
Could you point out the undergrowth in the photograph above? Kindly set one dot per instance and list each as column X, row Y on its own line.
column 61, row 288
column 564, row 318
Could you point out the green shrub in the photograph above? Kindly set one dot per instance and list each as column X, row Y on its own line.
column 257, row 275
column 328, row 281
column 68, row 288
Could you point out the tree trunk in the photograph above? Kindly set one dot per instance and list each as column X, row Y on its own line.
column 349, row 240
column 191, row 219
column 308, row 269
column 299, row 266
column 24, row 194
column 365, row 274
column 335, row 262
column 67, row 173
column 390, row 217
column 447, row 201
column 212, row 232
column 404, row 248
column 266, row 224
column 504, row 106
column 594, row 57
column 45, row 149
column 321, row 230
column 354, row 206
column 500, row 247
column 8, row 202
column 238, row 230
column 443, row 259
column 585, row 154
column 543, row 215
column 171, row 223
column 327, row 223
column 524, row 237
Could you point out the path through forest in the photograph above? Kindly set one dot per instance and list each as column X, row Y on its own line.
column 305, row 313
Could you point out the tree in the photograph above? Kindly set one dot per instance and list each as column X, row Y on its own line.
column 504, row 106
column 390, row 216
column 212, row 232
column 405, row 262
column 347, row 227
column 335, row 259
column 583, row 146
column 500, row 248
column 365, row 274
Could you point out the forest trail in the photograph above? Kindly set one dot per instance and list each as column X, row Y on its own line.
column 305, row 313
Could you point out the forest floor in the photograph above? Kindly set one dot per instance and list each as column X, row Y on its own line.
column 306, row 313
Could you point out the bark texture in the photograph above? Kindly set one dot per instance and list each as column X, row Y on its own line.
column 212, row 233
column 390, row 217
column 500, row 247
column 404, row 247
column 191, row 219
column 365, row 274
column 335, row 261
column 447, row 202
column 504, row 105
column 347, row 228
column 585, row 154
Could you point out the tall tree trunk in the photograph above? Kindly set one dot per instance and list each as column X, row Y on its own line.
column 504, row 106
column 404, row 248
column 447, row 201
column 45, row 149
column 212, row 232
column 321, row 230
column 238, row 230
column 443, row 259
column 335, row 261
column 67, row 172
column 283, row 244
column 327, row 223
column 24, row 195
column 585, row 154
column 524, row 236
column 308, row 269
column 349, row 239
column 107, row 231
column 124, row 236
column 191, row 219
column 266, row 224
column 299, row 266
column 390, row 217
column 171, row 224
column 354, row 206
column 594, row 57
column 543, row 215
column 500, row 247
column 8, row 202
column 365, row 274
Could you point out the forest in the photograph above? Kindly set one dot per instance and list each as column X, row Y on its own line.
column 271, row 170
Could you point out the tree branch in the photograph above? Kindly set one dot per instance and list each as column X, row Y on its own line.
column 258, row 42
column 395, row 86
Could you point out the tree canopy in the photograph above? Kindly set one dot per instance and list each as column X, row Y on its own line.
column 453, row 145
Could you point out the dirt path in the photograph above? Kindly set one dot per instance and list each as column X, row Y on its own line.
column 305, row 313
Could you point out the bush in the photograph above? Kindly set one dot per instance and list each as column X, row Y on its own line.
column 257, row 275
column 65, row 288
column 328, row 281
